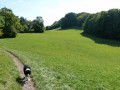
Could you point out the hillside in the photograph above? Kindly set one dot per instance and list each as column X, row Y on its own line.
column 67, row 59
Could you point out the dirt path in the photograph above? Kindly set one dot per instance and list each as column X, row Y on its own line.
column 29, row 85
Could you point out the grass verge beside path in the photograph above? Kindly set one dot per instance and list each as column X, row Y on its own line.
column 8, row 73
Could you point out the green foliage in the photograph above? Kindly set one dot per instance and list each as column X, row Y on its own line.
column 9, row 31
column 1, row 24
column 55, row 25
column 1, row 21
column 38, row 25
column 69, row 20
column 11, row 24
column 105, row 24
column 66, row 60
column 81, row 17
column 26, row 25
column 5, row 10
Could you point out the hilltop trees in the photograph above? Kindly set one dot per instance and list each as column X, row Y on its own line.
column 105, row 24
column 38, row 25
column 25, row 25
column 81, row 17
column 71, row 19
column 55, row 25
column 10, row 23
column 1, row 23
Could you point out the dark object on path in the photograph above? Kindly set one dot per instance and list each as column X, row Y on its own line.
column 27, row 73
column 27, row 70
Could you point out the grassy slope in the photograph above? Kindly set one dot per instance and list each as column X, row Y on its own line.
column 68, row 60
column 8, row 73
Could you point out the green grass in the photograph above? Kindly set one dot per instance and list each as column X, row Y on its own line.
column 8, row 73
column 67, row 60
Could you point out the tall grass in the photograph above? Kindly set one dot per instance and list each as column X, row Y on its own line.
column 67, row 60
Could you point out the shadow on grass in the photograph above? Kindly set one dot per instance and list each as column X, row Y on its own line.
column 114, row 43
column 1, row 37
column 75, row 28
column 30, row 32
column 20, row 81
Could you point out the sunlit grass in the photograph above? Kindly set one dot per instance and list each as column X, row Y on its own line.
column 66, row 60
column 8, row 73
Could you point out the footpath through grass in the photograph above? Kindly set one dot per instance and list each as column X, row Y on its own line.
column 8, row 73
column 67, row 60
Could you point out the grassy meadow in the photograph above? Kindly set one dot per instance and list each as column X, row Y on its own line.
column 8, row 73
column 68, row 60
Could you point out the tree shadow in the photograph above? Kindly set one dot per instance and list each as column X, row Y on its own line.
column 74, row 27
column 30, row 32
column 1, row 37
column 98, row 40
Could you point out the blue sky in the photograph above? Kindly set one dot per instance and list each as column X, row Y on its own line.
column 52, row 10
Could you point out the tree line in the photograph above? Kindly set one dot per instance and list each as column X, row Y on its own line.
column 10, row 24
column 105, row 24
column 69, row 20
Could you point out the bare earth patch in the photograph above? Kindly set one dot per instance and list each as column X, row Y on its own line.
column 29, row 85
